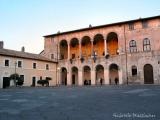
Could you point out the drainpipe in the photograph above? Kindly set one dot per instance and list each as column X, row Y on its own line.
column 126, row 54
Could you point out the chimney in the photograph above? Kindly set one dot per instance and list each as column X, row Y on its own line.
column 1, row 44
column 23, row 49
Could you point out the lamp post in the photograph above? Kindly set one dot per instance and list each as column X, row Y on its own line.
column 58, row 70
column 15, row 73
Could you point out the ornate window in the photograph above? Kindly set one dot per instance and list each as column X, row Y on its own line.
column 146, row 45
column 133, row 46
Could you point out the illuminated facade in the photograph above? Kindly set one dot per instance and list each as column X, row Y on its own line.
column 124, row 53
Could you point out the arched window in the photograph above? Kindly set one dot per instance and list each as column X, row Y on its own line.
column 146, row 45
column 133, row 46
column 134, row 70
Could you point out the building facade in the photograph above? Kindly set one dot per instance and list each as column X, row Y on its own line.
column 124, row 53
column 31, row 67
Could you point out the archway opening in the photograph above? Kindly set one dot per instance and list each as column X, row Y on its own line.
column 74, row 48
column 112, row 43
column 99, row 74
column 86, row 75
column 113, row 74
column 148, row 74
column 63, row 76
column 98, row 45
column 63, row 49
column 74, row 76
column 86, row 47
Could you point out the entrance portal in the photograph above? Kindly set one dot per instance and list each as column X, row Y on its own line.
column 148, row 74
column 113, row 74
column 64, row 76
column 6, row 82
column 74, row 76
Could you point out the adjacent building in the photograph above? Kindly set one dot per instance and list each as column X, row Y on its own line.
column 31, row 67
column 127, row 52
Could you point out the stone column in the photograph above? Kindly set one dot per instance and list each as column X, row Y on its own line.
column 93, row 77
column 69, row 73
column 106, row 77
column 105, row 47
column 91, row 47
column 68, row 51
column 120, row 77
column 80, row 76
column 80, row 49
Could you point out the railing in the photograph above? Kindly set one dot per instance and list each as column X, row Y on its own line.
column 89, row 60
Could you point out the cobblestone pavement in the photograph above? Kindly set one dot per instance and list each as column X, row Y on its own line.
column 81, row 103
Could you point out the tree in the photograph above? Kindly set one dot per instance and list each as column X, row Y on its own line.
column 44, row 82
column 17, row 79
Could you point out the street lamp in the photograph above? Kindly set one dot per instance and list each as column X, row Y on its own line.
column 15, row 73
column 58, row 69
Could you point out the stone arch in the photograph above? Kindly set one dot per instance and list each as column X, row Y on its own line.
column 99, row 74
column 63, row 76
column 86, row 47
column 112, row 43
column 113, row 73
column 86, row 75
column 98, row 45
column 74, row 76
column 148, row 74
column 74, row 48
column 63, row 49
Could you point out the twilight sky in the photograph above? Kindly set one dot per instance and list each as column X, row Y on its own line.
column 24, row 22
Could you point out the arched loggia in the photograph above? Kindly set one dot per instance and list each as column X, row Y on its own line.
column 86, row 47
column 74, row 48
column 63, row 49
column 98, row 45
column 112, row 43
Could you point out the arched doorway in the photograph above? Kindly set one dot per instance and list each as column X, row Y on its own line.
column 63, row 76
column 86, row 75
column 148, row 74
column 99, row 74
column 113, row 74
column 86, row 47
column 74, row 48
column 98, row 45
column 112, row 43
column 63, row 49
column 74, row 76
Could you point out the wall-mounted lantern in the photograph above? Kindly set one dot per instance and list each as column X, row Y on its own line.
column 71, row 60
column 94, row 56
column 107, row 56
column 81, row 59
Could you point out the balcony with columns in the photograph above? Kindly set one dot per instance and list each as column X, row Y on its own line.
column 89, row 50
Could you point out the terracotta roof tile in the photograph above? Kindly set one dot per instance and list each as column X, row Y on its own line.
column 25, row 55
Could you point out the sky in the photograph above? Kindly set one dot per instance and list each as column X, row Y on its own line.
column 25, row 22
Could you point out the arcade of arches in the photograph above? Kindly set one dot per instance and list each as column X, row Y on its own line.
column 99, row 75
column 86, row 47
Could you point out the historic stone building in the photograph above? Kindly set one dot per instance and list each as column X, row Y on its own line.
column 124, row 52
column 31, row 67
